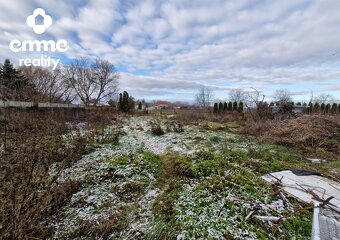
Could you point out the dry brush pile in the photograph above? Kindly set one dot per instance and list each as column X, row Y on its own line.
column 311, row 132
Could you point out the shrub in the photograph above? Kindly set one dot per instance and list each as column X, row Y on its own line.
column 178, row 127
column 156, row 129
column 286, row 107
column 28, row 193
column 175, row 127
column 263, row 111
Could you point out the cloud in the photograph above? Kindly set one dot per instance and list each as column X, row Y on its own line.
column 181, row 45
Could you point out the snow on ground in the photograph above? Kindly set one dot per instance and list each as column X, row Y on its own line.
column 102, row 180
column 114, row 178
column 191, row 140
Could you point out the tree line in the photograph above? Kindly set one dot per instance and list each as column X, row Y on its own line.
column 228, row 107
column 90, row 82
column 323, row 108
column 254, row 101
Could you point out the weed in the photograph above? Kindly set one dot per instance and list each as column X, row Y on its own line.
column 156, row 129
column 215, row 139
column 103, row 228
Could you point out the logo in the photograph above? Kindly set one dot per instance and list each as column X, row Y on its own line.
column 39, row 21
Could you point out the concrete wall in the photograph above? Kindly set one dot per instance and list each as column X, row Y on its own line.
column 15, row 104
column 24, row 109
column 59, row 105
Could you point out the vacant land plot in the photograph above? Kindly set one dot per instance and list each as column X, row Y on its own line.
column 163, row 180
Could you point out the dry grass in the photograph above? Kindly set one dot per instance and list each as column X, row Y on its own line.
column 312, row 132
column 31, row 142
column 102, row 229
column 192, row 117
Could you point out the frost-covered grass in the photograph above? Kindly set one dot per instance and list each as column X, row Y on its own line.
column 198, row 182
column 214, row 197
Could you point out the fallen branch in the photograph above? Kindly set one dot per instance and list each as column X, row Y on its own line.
column 278, row 189
column 325, row 202
column 271, row 219
column 255, row 208
column 278, row 179
column 249, row 215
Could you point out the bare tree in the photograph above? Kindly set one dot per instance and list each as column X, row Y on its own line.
column 258, row 108
column 204, row 97
column 237, row 95
column 254, row 97
column 48, row 84
column 92, row 82
column 324, row 98
column 107, row 76
column 283, row 96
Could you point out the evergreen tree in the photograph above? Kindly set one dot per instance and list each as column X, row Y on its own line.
column 215, row 108
column 298, row 104
column 316, row 107
column 14, row 86
column 220, row 107
column 323, row 107
column 240, row 107
column 328, row 108
column 230, row 106
column 235, row 106
column 225, row 107
column 310, row 107
column 334, row 108
column 125, row 102
column 339, row 108
column 140, row 106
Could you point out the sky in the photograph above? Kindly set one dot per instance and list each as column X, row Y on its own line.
column 168, row 49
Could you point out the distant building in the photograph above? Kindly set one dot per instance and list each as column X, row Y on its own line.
column 140, row 106
column 163, row 105
column 295, row 109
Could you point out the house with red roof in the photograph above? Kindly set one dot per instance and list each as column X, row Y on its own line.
column 162, row 105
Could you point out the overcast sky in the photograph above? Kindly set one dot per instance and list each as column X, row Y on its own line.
column 168, row 49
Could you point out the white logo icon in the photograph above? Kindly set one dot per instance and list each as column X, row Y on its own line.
column 39, row 21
